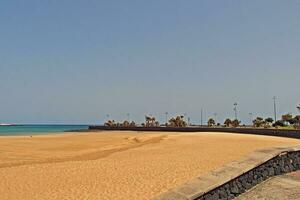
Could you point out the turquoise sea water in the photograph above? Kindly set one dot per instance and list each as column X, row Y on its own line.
column 38, row 129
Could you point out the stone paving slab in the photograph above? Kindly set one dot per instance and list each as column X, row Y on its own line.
column 285, row 187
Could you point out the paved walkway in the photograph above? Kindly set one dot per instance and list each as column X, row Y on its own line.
column 286, row 187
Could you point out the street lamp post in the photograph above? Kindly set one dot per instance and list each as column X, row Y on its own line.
column 166, row 113
column 251, row 117
column 201, row 116
column 128, row 116
column 107, row 118
column 235, row 110
column 275, row 108
column 215, row 114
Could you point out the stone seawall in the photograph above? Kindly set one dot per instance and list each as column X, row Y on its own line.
column 237, row 177
column 256, row 131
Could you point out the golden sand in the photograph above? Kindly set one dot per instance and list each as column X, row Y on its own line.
column 114, row 165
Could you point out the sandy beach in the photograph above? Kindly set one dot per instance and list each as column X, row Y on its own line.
column 115, row 165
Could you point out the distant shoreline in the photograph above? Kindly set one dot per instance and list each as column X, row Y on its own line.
column 37, row 129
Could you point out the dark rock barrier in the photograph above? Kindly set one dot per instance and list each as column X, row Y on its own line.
column 279, row 165
column 256, row 131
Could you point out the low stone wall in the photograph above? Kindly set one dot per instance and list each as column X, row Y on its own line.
column 256, row 131
column 237, row 177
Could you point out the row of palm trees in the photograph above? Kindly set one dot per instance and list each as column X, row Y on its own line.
column 228, row 123
column 113, row 123
column 179, row 121
column 150, row 121
column 259, row 122
column 286, row 120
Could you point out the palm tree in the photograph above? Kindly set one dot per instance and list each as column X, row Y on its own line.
column 153, row 121
column 236, row 123
column 178, row 121
column 126, row 123
column 297, row 121
column 228, row 122
column 110, row 123
column 150, row 121
column 288, row 118
column 259, row 122
column 211, row 122
column 297, row 118
column 132, row 124
column 269, row 120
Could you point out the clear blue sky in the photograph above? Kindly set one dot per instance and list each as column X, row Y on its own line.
column 74, row 61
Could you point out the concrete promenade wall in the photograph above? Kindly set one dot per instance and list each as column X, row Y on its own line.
column 237, row 177
column 256, row 131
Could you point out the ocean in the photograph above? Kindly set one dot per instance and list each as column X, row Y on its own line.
column 38, row 129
